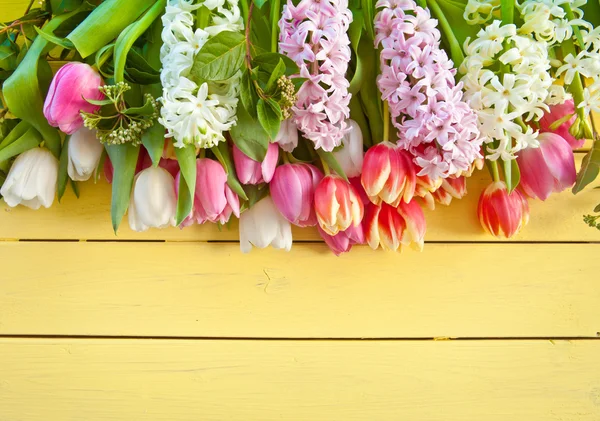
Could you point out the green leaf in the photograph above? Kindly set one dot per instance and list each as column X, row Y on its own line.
column 145, row 110
column 597, row 208
column 153, row 140
column 63, row 175
column 369, row 15
column 512, row 174
column 28, row 140
column 275, row 75
column 220, row 58
column 356, row 28
column 186, row 157
column 105, row 24
column 6, row 52
column 19, row 130
column 62, row 42
column 67, row 6
column 330, row 160
column 269, row 61
column 590, row 167
column 269, row 116
column 131, row 34
column 22, row 89
column 124, row 160
column 591, row 12
column 248, row 94
column 249, row 136
column 100, row 103
column 255, row 194
column 222, row 153
column 369, row 92
column 259, row 3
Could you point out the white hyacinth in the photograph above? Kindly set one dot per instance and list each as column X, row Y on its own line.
column 195, row 114
column 507, row 82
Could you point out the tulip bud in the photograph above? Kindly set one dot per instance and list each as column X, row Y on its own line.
column 391, row 227
column 32, row 180
column 153, row 202
column 287, row 137
column 85, row 151
column 559, row 120
column 548, row 168
column 452, row 187
column 214, row 201
column 262, row 225
column 337, row 205
column 350, row 156
column 293, row 192
column 343, row 241
column 71, row 86
column 501, row 213
column 388, row 174
column 250, row 171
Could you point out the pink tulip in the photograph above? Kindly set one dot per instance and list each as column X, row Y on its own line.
column 343, row 241
column 558, row 112
column 451, row 188
column 337, row 204
column 390, row 227
column 250, row 171
column 71, row 86
column 214, row 201
column 500, row 213
column 293, row 192
column 388, row 174
column 549, row 168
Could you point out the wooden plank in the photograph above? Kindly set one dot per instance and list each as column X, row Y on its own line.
column 211, row 290
column 557, row 219
column 63, row 380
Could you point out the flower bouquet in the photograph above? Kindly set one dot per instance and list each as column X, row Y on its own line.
column 347, row 116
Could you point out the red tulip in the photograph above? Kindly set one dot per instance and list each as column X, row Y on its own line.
column 452, row 187
column 549, row 168
column 72, row 85
column 388, row 174
column 390, row 227
column 500, row 213
column 337, row 204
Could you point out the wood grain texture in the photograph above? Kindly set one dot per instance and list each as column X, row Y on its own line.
column 212, row 290
column 73, row 380
column 557, row 219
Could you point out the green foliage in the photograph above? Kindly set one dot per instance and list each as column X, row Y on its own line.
column 590, row 167
column 19, row 140
column 220, row 58
column 269, row 116
column 124, row 160
column 186, row 157
column 223, row 154
column 512, row 174
column 63, row 175
column 329, row 159
column 249, row 135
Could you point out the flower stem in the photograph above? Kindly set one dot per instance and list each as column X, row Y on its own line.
column 275, row 10
column 326, row 169
column 455, row 49
column 386, row 121
column 247, row 33
column 507, row 8
column 493, row 166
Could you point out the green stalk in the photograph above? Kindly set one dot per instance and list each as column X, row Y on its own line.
column 507, row 8
column 571, row 16
column 493, row 167
column 244, row 7
column 386, row 121
column 275, row 11
column 455, row 49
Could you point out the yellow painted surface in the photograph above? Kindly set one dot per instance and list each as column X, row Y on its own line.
column 471, row 329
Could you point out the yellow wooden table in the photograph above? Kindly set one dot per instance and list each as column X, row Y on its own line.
column 178, row 325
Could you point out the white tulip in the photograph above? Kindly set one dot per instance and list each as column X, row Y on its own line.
column 85, row 151
column 287, row 137
column 262, row 225
column 153, row 202
column 350, row 156
column 32, row 180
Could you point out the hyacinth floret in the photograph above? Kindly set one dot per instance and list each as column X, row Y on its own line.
column 434, row 123
column 314, row 35
column 191, row 113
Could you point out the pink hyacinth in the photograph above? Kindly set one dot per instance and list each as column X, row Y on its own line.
column 417, row 80
column 314, row 35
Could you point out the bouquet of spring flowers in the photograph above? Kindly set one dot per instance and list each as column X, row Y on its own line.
column 345, row 116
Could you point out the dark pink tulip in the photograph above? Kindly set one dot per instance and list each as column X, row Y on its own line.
column 250, row 171
column 293, row 190
column 547, row 169
column 71, row 86
column 556, row 113
column 343, row 241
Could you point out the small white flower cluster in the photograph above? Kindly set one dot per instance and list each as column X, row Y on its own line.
column 481, row 11
column 195, row 114
column 507, row 82
column 547, row 20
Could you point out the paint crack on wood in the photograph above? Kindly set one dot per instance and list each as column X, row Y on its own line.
column 268, row 281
